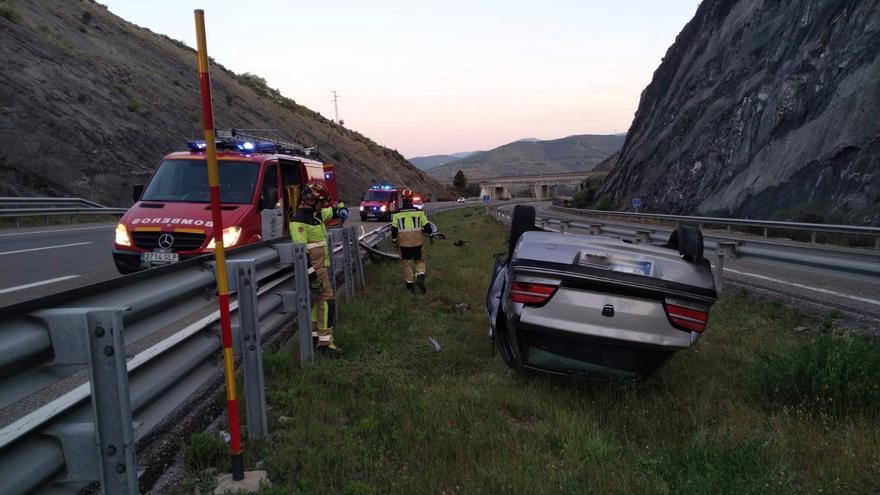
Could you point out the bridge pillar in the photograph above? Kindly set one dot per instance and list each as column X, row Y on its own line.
column 541, row 191
column 501, row 193
column 486, row 191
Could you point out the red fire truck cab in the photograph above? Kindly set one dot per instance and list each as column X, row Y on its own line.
column 380, row 202
column 260, row 183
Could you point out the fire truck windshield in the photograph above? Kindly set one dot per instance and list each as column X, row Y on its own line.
column 187, row 181
column 376, row 195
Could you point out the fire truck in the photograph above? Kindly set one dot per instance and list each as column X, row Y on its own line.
column 380, row 202
column 260, row 184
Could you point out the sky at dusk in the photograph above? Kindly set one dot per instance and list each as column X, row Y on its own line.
column 441, row 77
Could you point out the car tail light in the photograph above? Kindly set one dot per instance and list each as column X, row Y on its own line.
column 527, row 293
column 686, row 316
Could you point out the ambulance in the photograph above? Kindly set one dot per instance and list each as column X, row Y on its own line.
column 260, row 184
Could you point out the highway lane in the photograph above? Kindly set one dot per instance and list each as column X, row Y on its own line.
column 40, row 261
column 859, row 294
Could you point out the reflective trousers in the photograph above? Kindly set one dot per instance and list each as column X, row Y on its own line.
column 409, row 257
column 324, row 302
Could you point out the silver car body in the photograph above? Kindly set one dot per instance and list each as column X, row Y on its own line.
column 608, row 311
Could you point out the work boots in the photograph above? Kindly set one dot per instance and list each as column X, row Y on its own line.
column 330, row 351
column 411, row 287
column 420, row 281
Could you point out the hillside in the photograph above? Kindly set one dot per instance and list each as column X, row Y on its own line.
column 426, row 162
column 89, row 103
column 762, row 109
column 524, row 157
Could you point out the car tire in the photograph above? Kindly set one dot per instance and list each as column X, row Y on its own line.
column 688, row 241
column 363, row 218
column 522, row 220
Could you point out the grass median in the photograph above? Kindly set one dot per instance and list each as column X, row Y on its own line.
column 747, row 410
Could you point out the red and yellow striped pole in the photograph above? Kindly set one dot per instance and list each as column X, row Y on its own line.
column 235, row 448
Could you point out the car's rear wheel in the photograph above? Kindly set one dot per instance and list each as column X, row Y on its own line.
column 688, row 241
column 522, row 220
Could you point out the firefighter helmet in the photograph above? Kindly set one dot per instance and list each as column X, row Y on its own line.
column 315, row 191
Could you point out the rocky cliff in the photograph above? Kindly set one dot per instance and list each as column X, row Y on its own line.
column 764, row 109
column 89, row 103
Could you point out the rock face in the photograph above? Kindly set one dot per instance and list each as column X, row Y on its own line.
column 762, row 109
column 89, row 103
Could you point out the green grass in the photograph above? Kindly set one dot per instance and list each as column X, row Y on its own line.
column 394, row 416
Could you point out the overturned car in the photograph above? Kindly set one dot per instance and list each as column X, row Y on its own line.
column 596, row 305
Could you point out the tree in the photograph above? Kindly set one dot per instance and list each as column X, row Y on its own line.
column 459, row 181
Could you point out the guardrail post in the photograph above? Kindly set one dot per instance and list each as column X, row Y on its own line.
column 347, row 265
column 243, row 278
column 356, row 256
column 595, row 228
column 765, row 232
column 103, row 451
column 877, row 243
column 564, row 224
column 303, row 305
column 643, row 236
column 725, row 249
column 813, row 237
column 332, row 235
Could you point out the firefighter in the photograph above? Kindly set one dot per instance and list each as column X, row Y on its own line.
column 308, row 227
column 408, row 229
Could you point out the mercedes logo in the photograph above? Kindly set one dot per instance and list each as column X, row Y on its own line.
column 166, row 241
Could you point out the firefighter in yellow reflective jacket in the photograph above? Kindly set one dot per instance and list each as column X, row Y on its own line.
column 408, row 229
column 308, row 227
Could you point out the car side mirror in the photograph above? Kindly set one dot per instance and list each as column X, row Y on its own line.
column 269, row 199
column 136, row 192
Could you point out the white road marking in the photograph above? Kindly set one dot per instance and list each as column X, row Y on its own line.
column 35, row 284
column 46, row 247
column 807, row 287
column 57, row 230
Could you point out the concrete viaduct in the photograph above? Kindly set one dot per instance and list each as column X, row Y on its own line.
column 498, row 188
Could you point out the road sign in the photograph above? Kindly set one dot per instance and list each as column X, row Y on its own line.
column 486, row 198
column 636, row 202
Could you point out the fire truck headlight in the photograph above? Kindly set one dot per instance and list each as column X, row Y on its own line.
column 122, row 237
column 362, row 207
column 382, row 208
column 230, row 237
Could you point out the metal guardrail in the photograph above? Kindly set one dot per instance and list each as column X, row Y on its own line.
column 840, row 260
column 18, row 208
column 765, row 225
column 171, row 330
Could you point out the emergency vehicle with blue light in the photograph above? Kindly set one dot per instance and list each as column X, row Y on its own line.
column 380, row 202
column 260, row 184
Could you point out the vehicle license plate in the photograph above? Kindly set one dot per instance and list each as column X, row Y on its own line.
column 160, row 257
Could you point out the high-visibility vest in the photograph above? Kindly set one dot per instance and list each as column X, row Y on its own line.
column 409, row 224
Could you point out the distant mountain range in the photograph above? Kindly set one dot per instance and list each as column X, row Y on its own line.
column 426, row 162
column 530, row 156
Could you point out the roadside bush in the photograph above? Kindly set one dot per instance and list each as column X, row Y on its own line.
column 8, row 12
column 832, row 374
column 585, row 197
column 604, row 203
column 205, row 450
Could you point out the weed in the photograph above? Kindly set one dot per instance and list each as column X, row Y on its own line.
column 828, row 320
column 135, row 106
column 204, row 450
column 604, row 203
column 86, row 17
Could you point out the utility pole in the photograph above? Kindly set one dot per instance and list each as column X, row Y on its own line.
column 336, row 107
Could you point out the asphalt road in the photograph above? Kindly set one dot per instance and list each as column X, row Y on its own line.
column 829, row 289
column 40, row 261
